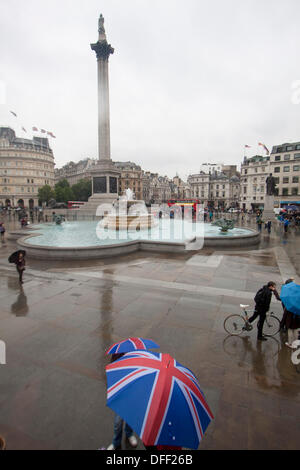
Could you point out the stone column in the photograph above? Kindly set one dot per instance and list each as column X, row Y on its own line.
column 103, row 51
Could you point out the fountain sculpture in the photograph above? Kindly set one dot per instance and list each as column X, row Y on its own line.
column 128, row 213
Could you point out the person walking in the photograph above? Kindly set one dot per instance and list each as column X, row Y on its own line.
column 20, row 265
column 2, row 232
column 118, row 425
column 286, row 224
column 269, row 226
column 292, row 324
column 282, row 322
column 262, row 304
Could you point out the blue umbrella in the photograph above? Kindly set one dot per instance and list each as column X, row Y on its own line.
column 159, row 398
column 290, row 296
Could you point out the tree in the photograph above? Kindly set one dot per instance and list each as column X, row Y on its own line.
column 82, row 190
column 63, row 194
column 45, row 194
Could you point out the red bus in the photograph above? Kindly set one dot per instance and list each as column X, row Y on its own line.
column 75, row 204
column 184, row 203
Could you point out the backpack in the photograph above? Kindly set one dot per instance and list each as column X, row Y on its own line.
column 259, row 296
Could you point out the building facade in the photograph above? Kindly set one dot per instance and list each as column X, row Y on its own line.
column 74, row 172
column 285, row 167
column 284, row 164
column 217, row 189
column 131, row 177
column 254, row 172
column 25, row 166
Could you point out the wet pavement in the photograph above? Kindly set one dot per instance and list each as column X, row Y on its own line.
column 58, row 325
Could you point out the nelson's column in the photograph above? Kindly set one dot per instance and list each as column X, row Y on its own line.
column 104, row 174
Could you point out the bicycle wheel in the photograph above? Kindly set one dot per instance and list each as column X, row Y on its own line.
column 271, row 325
column 234, row 324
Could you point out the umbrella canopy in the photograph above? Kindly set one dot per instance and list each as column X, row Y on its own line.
column 159, row 398
column 290, row 296
column 14, row 256
column 131, row 344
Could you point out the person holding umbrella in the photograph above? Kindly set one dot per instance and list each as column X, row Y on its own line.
column 2, row 232
column 290, row 296
column 160, row 398
column 118, row 350
column 118, row 425
column 18, row 258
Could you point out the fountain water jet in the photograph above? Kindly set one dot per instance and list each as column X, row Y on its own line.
column 128, row 214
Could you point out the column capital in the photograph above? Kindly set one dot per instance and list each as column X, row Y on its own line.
column 102, row 49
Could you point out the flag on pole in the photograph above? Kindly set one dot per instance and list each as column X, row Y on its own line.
column 263, row 145
column 13, row 113
column 35, row 129
column 23, row 129
column 51, row 135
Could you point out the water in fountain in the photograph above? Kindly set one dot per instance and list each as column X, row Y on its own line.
column 128, row 213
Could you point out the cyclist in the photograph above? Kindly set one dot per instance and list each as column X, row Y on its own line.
column 262, row 304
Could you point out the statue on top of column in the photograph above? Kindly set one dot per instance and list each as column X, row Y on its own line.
column 271, row 185
column 101, row 25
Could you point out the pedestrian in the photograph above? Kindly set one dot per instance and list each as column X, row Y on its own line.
column 259, row 223
column 282, row 322
column 269, row 226
column 118, row 425
column 286, row 224
column 20, row 265
column 262, row 301
column 292, row 324
column 2, row 232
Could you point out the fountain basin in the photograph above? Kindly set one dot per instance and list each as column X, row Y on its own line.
column 89, row 240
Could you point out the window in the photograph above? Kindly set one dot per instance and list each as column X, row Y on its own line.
column 285, row 191
column 262, row 188
column 277, row 158
column 277, row 169
column 285, row 179
column 298, row 147
column 294, row 191
column 287, row 157
column 246, row 171
column 296, row 167
column 289, row 148
column 286, row 169
column 295, row 179
column 255, row 169
column 297, row 156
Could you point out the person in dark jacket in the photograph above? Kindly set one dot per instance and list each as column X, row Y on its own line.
column 262, row 305
column 20, row 265
column 118, row 424
column 283, row 320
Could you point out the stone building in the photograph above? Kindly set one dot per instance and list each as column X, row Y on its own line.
column 74, row 172
column 285, row 167
column 25, row 166
column 131, row 176
column 218, row 189
column 254, row 172
column 156, row 188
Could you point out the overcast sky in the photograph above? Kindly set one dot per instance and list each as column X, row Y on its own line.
column 190, row 81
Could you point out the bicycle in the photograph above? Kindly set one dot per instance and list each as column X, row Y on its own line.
column 236, row 324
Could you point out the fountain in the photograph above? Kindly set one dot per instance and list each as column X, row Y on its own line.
column 224, row 224
column 128, row 214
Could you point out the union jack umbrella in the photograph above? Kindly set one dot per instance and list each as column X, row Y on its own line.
column 159, row 398
column 131, row 344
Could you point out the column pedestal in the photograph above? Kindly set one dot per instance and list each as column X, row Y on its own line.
column 268, row 213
